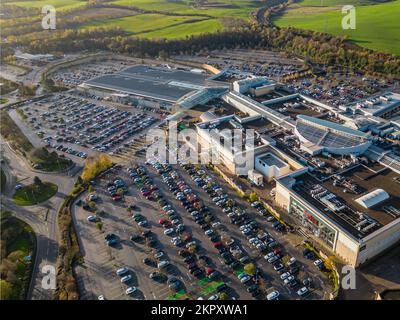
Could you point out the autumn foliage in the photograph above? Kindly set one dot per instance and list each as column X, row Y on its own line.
column 94, row 165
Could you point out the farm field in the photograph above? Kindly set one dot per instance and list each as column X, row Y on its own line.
column 143, row 22
column 189, row 20
column 58, row 4
column 183, row 30
column 377, row 25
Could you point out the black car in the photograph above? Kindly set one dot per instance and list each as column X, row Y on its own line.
column 147, row 233
column 188, row 259
column 252, row 288
column 294, row 269
column 153, row 243
column 194, row 269
column 205, row 259
column 136, row 238
column 149, row 262
column 198, row 273
column 234, row 265
column 200, row 221
column 222, row 287
column 110, row 236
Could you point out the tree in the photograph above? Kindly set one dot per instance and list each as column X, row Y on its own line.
column 92, row 205
column 192, row 249
column 37, row 181
column 223, row 296
column 230, row 202
column 95, row 165
column 250, row 269
column 6, row 290
column 91, row 189
column 253, row 197
column 99, row 225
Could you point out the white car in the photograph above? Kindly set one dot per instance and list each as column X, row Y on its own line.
column 163, row 264
column 176, row 241
column 255, row 204
column 273, row 259
column 285, row 275
column 292, row 261
column 92, row 197
column 169, row 231
column 191, row 244
column 318, row 262
column 274, row 295
column 101, row 297
column 92, row 218
column 131, row 290
column 126, row 278
column 288, row 280
column 269, row 255
column 216, row 224
column 122, row 271
column 303, row 291
column 245, row 279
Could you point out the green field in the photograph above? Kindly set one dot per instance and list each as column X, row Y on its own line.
column 236, row 8
column 34, row 194
column 377, row 26
column 58, row 4
column 172, row 27
column 184, row 30
column 142, row 22
column 160, row 25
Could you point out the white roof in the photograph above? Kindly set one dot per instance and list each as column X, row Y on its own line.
column 374, row 197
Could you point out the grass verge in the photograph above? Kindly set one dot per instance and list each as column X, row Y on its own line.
column 34, row 194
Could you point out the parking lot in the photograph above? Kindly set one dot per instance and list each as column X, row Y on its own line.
column 74, row 76
column 78, row 127
column 164, row 213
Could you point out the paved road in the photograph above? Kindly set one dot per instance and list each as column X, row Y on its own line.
column 31, row 135
column 42, row 217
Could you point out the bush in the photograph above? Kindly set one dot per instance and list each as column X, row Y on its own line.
column 253, row 197
column 94, row 166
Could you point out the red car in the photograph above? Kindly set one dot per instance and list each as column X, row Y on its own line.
column 163, row 221
column 209, row 271
column 277, row 251
column 116, row 197
column 217, row 244
column 146, row 193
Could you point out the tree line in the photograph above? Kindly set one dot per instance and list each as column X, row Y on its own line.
column 317, row 47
